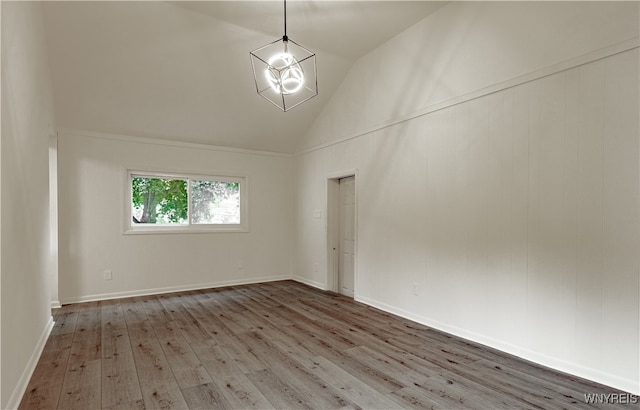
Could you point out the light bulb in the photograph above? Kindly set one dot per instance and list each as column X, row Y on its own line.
column 284, row 74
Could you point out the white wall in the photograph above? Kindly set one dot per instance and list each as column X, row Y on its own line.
column 92, row 185
column 498, row 172
column 463, row 48
column 27, row 124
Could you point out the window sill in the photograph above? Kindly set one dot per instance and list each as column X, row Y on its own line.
column 162, row 230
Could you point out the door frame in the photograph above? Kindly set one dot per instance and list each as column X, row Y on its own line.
column 333, row 229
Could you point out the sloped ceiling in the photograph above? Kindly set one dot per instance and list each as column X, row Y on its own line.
column 181, row 70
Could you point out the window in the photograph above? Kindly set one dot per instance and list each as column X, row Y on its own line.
column 185, row 203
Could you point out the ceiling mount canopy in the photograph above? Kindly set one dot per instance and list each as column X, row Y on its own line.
column 284, row 71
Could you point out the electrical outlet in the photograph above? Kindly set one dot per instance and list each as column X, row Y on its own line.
column 315, row 266
column 415, row 289
column 108, row 275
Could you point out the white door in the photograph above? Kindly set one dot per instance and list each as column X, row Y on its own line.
column 347, row 236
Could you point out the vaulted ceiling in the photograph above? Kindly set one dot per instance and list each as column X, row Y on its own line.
column 181, row 70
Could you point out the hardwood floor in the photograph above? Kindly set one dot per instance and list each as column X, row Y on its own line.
column 277, row 345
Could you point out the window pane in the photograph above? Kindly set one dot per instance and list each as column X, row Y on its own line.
column 158, row 200
column 215, row 202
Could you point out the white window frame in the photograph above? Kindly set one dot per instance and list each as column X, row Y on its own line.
column 132, row 228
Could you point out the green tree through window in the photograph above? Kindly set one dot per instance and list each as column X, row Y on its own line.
column 159, row 201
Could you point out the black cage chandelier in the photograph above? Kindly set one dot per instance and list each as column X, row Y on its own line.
column 284, row 71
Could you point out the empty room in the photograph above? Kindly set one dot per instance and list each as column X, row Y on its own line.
column 320, row 204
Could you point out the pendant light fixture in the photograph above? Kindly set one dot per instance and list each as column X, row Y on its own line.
column 284, row 71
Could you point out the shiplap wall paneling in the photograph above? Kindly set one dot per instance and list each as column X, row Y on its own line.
column 620, row 244
column 459, row 180
column 588, row 323
column 519, row 222
column 547, row 292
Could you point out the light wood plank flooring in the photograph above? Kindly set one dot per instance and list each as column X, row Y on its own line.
column 277, row 345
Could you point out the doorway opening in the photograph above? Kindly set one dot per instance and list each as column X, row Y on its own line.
column 341, row 234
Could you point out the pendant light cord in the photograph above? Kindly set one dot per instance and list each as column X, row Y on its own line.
column 285, row 38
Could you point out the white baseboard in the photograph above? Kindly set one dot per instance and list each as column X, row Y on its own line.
column 628, row 385
column 312, row 283
column 25, row 377
column 170, row 289
column 55, row 304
